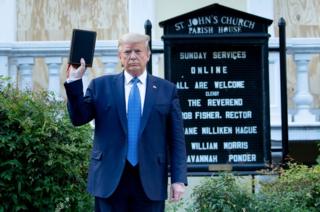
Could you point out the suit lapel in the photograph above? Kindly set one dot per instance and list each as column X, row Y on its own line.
column 151, row 93
column 118, row 92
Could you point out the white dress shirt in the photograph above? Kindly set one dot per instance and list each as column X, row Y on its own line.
column 142, row 85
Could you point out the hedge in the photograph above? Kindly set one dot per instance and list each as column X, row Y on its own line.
column 44, row 159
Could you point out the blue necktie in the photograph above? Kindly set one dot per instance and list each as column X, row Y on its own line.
column 134, row 116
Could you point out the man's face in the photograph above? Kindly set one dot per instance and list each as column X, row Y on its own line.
column 134, row 57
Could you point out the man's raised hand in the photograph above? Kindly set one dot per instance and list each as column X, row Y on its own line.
column 76, row 73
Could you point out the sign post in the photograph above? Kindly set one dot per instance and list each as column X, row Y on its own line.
column 218, row 59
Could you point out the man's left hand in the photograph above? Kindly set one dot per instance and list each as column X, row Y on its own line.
column 176, row 191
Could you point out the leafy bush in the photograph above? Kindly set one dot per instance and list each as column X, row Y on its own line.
column 221, row 193
column 297, row 189
column 44, row 159
column 171, row 206
column 318, row 159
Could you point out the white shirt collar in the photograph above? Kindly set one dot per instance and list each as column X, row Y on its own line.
column 128, row 77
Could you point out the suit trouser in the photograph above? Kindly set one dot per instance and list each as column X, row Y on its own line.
column 129, row 195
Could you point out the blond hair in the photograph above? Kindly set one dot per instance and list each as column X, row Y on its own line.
column 134, row 38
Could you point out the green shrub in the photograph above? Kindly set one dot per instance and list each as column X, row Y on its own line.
column 297, row 189
column 221, row 193
column 318, row 159
column 44, row 159
column 171, row 206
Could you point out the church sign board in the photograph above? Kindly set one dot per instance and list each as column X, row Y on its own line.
column 218, row 59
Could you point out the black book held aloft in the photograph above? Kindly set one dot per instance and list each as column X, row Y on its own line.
column 82, row 46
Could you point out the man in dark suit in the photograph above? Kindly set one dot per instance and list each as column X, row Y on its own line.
column 138, row 132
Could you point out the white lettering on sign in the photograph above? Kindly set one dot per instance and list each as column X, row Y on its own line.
column 179, row 26
column 191, row 131
column 196, row 25
column 187, row 115
column 242, row 158
column 228, row 84
column 201, row 85
column 235, row 145
column 229, row 55
column 216, row 130
column 201, row 30
column 207, row 115
column 202, row 159
column 199, row 70
column 203, row 20
column 238, row 114
column 246, row 130
column 235, row 21
column 194, row 102
column 209, row 70
column 210, row 24
column 224, row 102
column 193, row 55
column 182, row 85
column 218, row 70
column 212, row 93
column 228, row 29
column 204, row 145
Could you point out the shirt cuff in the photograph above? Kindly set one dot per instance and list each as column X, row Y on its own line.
column 69, row 80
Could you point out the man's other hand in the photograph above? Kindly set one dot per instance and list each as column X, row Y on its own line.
column 176, row 191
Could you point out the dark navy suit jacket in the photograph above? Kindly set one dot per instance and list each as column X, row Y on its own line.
column 161, row 136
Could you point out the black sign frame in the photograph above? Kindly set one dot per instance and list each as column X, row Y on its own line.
column 257, row 41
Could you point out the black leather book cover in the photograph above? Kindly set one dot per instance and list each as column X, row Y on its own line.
column 82, row 46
